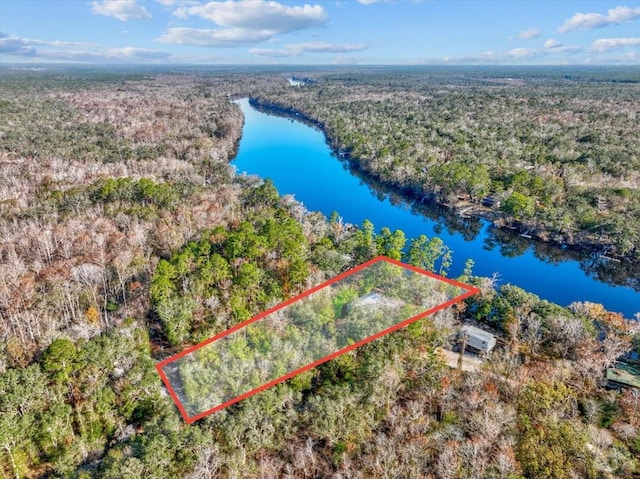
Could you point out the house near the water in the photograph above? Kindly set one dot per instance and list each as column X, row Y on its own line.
column 478, row 339
column 623, row 375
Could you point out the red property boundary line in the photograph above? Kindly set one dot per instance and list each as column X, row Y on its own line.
column 190, row 419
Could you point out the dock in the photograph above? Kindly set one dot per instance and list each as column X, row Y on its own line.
column 608, row 258
column 465, row 212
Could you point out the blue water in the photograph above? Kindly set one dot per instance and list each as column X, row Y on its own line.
column 298, row 160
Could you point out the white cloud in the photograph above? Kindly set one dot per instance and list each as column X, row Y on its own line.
column 323, row 47
column 488, row 57
column 230, row 37
column 368, row 2
column 112, row 55
column 274, row 53
column 57, row 50
column 587, row 21
column 522, row 53
column 180, row 13
column 12, row 45
column 297, row 49
column 606, row 44
column 554, row 54
column 623, row 14
column 552, row 43
column 529, row 34
column 135, row 53
column 120, row 9
column 260, row 15
column 243, row 22
column 629, row 58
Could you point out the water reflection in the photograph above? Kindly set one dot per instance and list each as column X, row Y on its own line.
column 299, row 161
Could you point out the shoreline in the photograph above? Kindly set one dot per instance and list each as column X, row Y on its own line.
column 461, row 207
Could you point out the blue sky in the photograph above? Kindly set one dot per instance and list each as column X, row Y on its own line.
column 510, row 32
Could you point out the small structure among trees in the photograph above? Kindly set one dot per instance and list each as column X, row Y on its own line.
column 477, row 339
column 623, row 375
column 374, row 299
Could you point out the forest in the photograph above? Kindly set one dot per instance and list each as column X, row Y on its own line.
column 126, row 237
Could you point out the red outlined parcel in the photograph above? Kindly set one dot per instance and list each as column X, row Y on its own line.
column 350, row 310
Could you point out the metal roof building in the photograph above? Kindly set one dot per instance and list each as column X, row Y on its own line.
column 623, row 374
column 478, row 339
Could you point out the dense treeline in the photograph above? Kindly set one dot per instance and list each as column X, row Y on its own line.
column 125, row 237
column 559, row 154
column 232, row 273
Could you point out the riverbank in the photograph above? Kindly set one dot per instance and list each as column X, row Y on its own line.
column 298, row 160
column 584, row 242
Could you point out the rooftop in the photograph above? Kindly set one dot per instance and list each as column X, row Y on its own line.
column 476, row 332
column 625, row 374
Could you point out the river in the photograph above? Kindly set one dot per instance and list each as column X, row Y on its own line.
column 298, row 160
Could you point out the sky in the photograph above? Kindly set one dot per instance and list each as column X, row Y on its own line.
column 320, row 32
